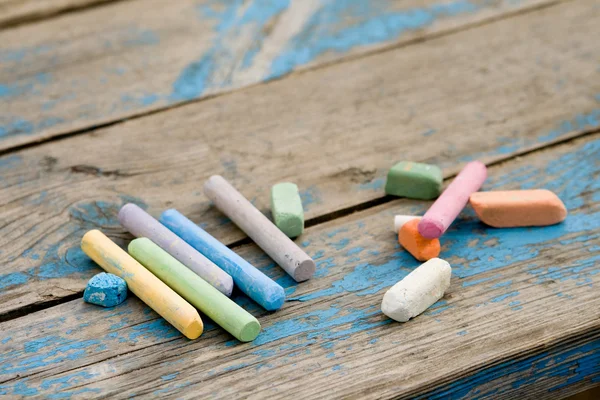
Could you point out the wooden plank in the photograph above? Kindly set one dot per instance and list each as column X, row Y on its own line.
column 14, row 12
column 336, row 141
column 133, row 57
column 522, row 312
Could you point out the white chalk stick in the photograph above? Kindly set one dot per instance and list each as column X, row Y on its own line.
column 400, row 220
column 417, row 291
column 266, row 235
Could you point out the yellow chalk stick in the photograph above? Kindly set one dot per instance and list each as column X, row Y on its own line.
column 143, row 283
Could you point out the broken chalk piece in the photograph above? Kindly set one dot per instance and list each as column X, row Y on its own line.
column 517, row 208
column 266, row 235
column 447, row 207
column 286, row 207
column 106, row 290
column 231, row 317
column 250, row 280
column 400, row 220
column 142, row 224
column 143, row 283
column 421, row 248
column 418, row 291
column 414, row 180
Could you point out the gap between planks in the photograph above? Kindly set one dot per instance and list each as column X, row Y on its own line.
column 42, row 139
column 321, row 219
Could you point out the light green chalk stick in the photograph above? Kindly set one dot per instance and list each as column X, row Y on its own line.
column 414, row 180
column 231, row 317
column 286, row 207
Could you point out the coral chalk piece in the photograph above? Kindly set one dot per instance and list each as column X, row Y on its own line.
column 414, row 180
column 287, row 210
column 418, row 291
column 400, row 220
column 518, row 208
column 447, row 207
column 421, row 248
column 106, row 290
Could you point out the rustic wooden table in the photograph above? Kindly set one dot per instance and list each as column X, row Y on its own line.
column 108, row 102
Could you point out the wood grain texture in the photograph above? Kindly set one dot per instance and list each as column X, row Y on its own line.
column 438, row 102
column 132, row 57
column 521, row 318
column 19, row 11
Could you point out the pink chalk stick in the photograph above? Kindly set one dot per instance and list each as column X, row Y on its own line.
column 451, row 202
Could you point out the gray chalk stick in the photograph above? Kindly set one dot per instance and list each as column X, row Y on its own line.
column 274, row 242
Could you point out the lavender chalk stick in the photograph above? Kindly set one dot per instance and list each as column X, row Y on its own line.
column 250, row 280
column 142, row 224
column 274, row 242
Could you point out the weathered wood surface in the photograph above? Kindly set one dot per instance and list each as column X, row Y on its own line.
column 20, row 11
column 128, row 58
column 435, row 102
column 520, row 320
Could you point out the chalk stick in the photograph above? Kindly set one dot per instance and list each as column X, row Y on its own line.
column 400, row 220
column 418, row 291
column 421, row 248
column 231, row 317
column 414, row 180
column 250, row 280
column 447, row 207
column 143, row 283
column 517, row 208
column 287, row 210
column 106, row 290
column 142, row 224
column 274, row 242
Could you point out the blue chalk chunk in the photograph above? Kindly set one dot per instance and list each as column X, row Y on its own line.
column 105, row 290
column 250, row 280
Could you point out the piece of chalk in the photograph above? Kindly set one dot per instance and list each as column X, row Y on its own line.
column 274, row 242
column 231, row 317
column 287, row 210
column 514, row 208
column 421, row 248
column 418, row 291
column 250, row 280
column 106, row 290
column 447, row 207
column 414, row 180
column 142, row 224
column 400, row 220
column 143, row 283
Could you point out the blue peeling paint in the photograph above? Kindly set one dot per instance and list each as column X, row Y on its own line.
column 59, row 263
column 575, row 364
column 579, row 122
column 329, row 30
column 375, row 185
column 498, row 299
column 169, row 377
column 310, row 196
column 233, row 19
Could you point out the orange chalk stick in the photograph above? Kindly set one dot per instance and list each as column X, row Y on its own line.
column 514, row 208
column 421, row 248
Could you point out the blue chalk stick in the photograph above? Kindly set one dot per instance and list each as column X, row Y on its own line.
column 105, row 290
column 250, row 280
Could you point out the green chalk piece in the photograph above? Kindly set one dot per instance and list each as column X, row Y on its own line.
column 231, row 317
column 286, row 207
column 414, row 180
